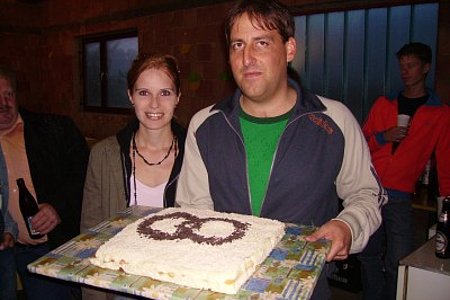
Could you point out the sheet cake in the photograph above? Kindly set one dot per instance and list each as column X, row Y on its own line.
column 196, row 248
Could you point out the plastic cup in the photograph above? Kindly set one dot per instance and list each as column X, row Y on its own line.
column 403, row 120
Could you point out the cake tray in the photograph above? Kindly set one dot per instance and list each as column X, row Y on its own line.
column 290, row 271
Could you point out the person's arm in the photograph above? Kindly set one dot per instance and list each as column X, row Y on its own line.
column 442, row 153
column 376, row 133
column 358, row 185
column 10, row 226
column 193, row 186
column 91, row 208
column 60, row 206
column 10, row 231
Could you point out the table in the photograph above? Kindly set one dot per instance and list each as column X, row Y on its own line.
column 421, row 275
column 290, row 272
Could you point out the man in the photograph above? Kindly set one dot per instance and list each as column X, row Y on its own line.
column 399, row 155
column 276, row 150
column 51, row 155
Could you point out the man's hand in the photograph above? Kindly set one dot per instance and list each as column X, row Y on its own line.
column 46, row 219
column 340, row 236
column 8, row 241
column 395, row 134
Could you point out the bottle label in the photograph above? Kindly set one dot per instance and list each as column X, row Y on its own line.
column 441, row 242
column 32, row 231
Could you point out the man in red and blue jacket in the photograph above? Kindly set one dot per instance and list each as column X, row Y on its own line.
column 399, row 155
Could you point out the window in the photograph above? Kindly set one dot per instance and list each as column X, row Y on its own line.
column 106, row 60
column 350, row 55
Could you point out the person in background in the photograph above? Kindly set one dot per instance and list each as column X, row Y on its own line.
column 140, row 164
column 8, row 235
column 50, row 154
column 399, row 155
column 276, row 150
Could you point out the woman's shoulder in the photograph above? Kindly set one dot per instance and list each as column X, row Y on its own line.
column 108, row 144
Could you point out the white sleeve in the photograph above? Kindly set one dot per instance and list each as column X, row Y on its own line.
column 357, row 183
column 193, row 184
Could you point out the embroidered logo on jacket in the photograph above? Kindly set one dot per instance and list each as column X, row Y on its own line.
column 322, row 123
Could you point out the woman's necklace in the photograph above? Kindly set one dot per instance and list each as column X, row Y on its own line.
column 135, row 149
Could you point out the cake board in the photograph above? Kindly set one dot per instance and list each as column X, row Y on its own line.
column 289, row 272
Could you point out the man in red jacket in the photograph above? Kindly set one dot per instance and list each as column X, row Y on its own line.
column 399, row 154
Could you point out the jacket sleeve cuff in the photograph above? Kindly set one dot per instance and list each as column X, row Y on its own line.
column 348, row 225
column 359, row 229
column 379, row 137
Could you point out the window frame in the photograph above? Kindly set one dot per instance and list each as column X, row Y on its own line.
column 102, row 39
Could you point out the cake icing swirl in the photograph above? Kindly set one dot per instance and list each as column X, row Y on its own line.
column 187, row 229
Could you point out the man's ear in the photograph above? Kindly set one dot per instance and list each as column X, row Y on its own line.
column 291, row 49
column 426, row 68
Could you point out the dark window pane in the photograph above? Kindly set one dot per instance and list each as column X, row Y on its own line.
column 355, row 63
column 334, row 59
column 121, row 53
column 92, row 69
column 425, row 23
column 106, row 61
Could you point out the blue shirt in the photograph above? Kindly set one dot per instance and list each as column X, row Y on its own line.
column 10, row 224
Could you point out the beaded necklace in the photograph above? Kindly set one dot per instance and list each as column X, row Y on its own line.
column 135, row 150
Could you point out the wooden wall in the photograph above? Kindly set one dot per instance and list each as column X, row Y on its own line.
column 41, row 41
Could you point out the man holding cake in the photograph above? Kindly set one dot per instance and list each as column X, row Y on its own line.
column 276, row 150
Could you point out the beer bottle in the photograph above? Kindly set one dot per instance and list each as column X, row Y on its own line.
column 443, row 231
column 28, row 207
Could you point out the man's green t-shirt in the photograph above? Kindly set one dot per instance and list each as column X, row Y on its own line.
column 261, row 136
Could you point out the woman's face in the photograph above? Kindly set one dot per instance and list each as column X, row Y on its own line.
column 154, row 97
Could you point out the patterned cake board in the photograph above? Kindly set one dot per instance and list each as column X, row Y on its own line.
column 289, row 272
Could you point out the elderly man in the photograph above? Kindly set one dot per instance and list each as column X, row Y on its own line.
column 51, row 155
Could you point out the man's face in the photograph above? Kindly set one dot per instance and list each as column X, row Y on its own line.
column 259, row 59
column 8, row 105
column 413, row 71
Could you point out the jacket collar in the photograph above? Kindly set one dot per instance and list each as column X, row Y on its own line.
column 433, row 99
column 306, row 102
column 124, row 136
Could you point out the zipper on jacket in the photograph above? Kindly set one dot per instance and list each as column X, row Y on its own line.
column 167, row 187
column 276, row 152
column 126, row 179
column 246, row 164
column 273, row 157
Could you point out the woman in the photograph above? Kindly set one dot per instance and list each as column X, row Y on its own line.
column 139, row 165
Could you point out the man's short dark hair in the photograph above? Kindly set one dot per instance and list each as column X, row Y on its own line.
column 267, row 15
column 420, row 50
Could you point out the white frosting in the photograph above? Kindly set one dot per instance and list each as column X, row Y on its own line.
column 221, row 268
